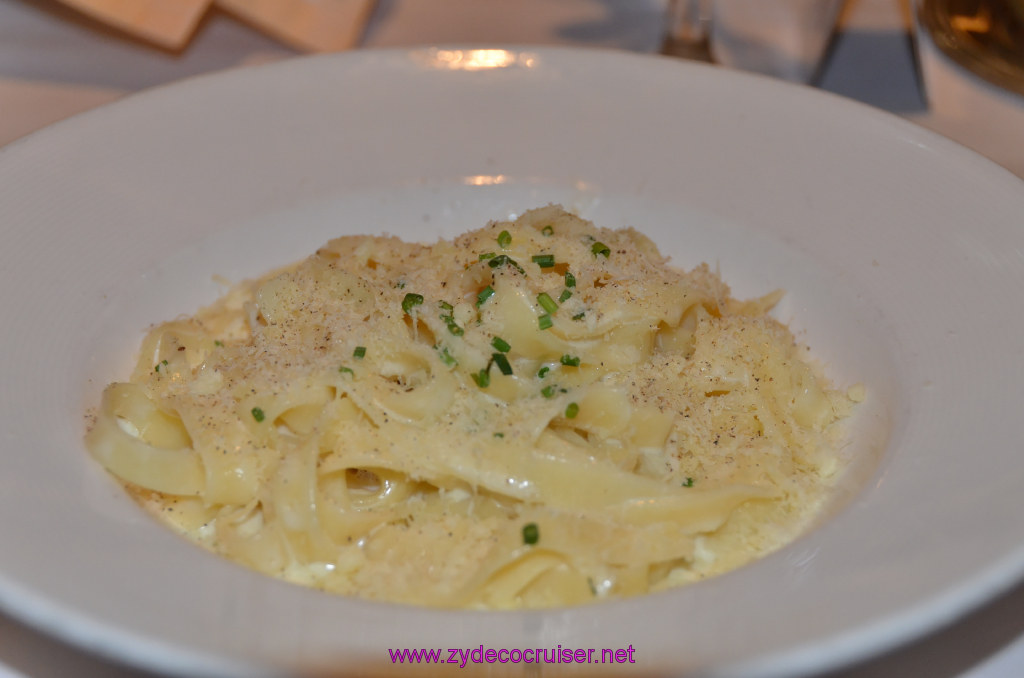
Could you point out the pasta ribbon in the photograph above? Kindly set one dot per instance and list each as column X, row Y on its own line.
column 145, row 453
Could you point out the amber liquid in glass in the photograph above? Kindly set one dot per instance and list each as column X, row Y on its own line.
column 984, row 36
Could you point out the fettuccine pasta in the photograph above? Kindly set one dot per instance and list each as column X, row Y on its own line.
column 538, row 413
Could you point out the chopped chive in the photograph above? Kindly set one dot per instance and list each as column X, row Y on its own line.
column 544, row 322
column 501, row 361
column 689, row 482
column 579, row 316
column 487, row 255
column 411, row 301
column 258, row 415
column 564, row 296
column 571, row 410
column 545, row 300
column 543, row 371
column 157, row 367
column 446, row 357
column 448, row 319
column 501, row 344
column 531, row 533
column 570, row 279
column 549, row 391
column 548, row 230
column 499, row 434
column 544, row 260
column 482, row 378
column 485, row 294
column 600, row 248
column 359, row 352
column 502, row 260
column 570, row 360
column 400, row 284
column 504, row 239
column 346, row 370
column 218, row 342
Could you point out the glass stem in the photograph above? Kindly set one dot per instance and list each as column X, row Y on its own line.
column 687, row 34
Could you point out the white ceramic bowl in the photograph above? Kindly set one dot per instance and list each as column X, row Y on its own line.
column 903, row 255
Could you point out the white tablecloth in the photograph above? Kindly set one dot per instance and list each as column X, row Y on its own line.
column 54, row 63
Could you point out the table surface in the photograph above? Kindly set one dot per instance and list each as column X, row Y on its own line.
column 54, row 64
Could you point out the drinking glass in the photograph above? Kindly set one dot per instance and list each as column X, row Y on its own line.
column 783, row 38
column 984, row 36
